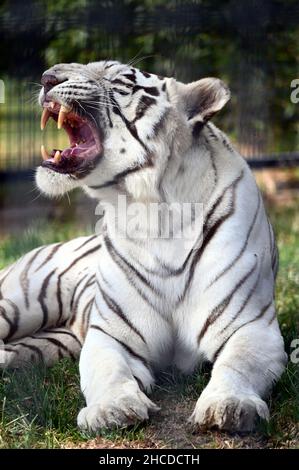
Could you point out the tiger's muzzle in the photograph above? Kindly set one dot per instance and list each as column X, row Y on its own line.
column 85, row 136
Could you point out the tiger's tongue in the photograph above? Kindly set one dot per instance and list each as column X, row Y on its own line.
column 76, row 150
column 81, row 139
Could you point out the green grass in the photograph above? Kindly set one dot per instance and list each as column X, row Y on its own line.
column 14, row 247
column 39, row 406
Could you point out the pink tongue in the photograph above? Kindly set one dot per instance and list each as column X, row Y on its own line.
column 75, row 151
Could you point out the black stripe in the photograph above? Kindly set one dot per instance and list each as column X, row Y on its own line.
column 158, row 126
column 258, row 317
column 11, row 349
column 107, row 108
column 109, row 116
column 236, row 259
column 50, row 256
column 150, row 90
column 76, row 87
column 140, row 384
column 212, row 157
column 76, row 289
column 272, row 318
column 63, row 332
column 13, row 323
column 226, row 144
column 87, row 306
column 5, row 317
column 88, row 283
column 211, row 132
column 24, row 281
column 197, row 128
column 130, row 126
column 112, row 305
column 34, row 349
column 117, row 81
column 74, row 262
column 41, row 298
column 125, row 346
column 210, row 231
column 145, row 102
column 245, row 302
column 107, row 66
column 131, row 76
column 132, row 282
column 120, row 92
column 219, row 309
column 120, row 176
column 90, row 239
column 127, row 267
column 57, row 343
column 171, row 271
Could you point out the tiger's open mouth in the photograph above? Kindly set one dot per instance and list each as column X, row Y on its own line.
column 85, row 143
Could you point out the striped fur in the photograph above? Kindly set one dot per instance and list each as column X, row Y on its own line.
column 141, row 305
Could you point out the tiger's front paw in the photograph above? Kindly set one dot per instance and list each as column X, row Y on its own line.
column 231, row 413
column 121, row 409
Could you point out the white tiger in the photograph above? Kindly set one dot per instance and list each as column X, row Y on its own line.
column 143, row 304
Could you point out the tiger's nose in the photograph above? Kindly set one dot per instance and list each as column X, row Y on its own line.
column 49, row 81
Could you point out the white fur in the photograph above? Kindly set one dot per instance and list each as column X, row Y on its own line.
column 167, row 318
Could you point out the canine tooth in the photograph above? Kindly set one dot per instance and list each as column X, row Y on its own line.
column 57, row 157
column 52, row 104
column 61, row 118
column 44, row 153
column 65, row 109
column 44, row 118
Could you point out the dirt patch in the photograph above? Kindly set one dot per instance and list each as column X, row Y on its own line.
column 169, row 429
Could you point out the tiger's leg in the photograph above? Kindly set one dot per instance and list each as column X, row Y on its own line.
column 244, row 370
column 47, row 346
column 112, row 380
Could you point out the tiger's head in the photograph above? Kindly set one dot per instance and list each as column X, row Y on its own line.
column 125, row 127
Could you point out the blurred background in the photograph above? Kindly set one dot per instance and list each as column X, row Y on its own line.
column 253, row 45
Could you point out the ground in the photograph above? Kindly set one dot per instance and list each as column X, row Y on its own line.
column 39, row 407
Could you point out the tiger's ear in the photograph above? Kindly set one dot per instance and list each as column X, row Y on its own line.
column 202, row 99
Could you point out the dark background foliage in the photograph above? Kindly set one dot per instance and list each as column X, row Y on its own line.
column 251, row 44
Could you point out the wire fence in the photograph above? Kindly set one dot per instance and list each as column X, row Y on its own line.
column 252, row 45
column 20, row 135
